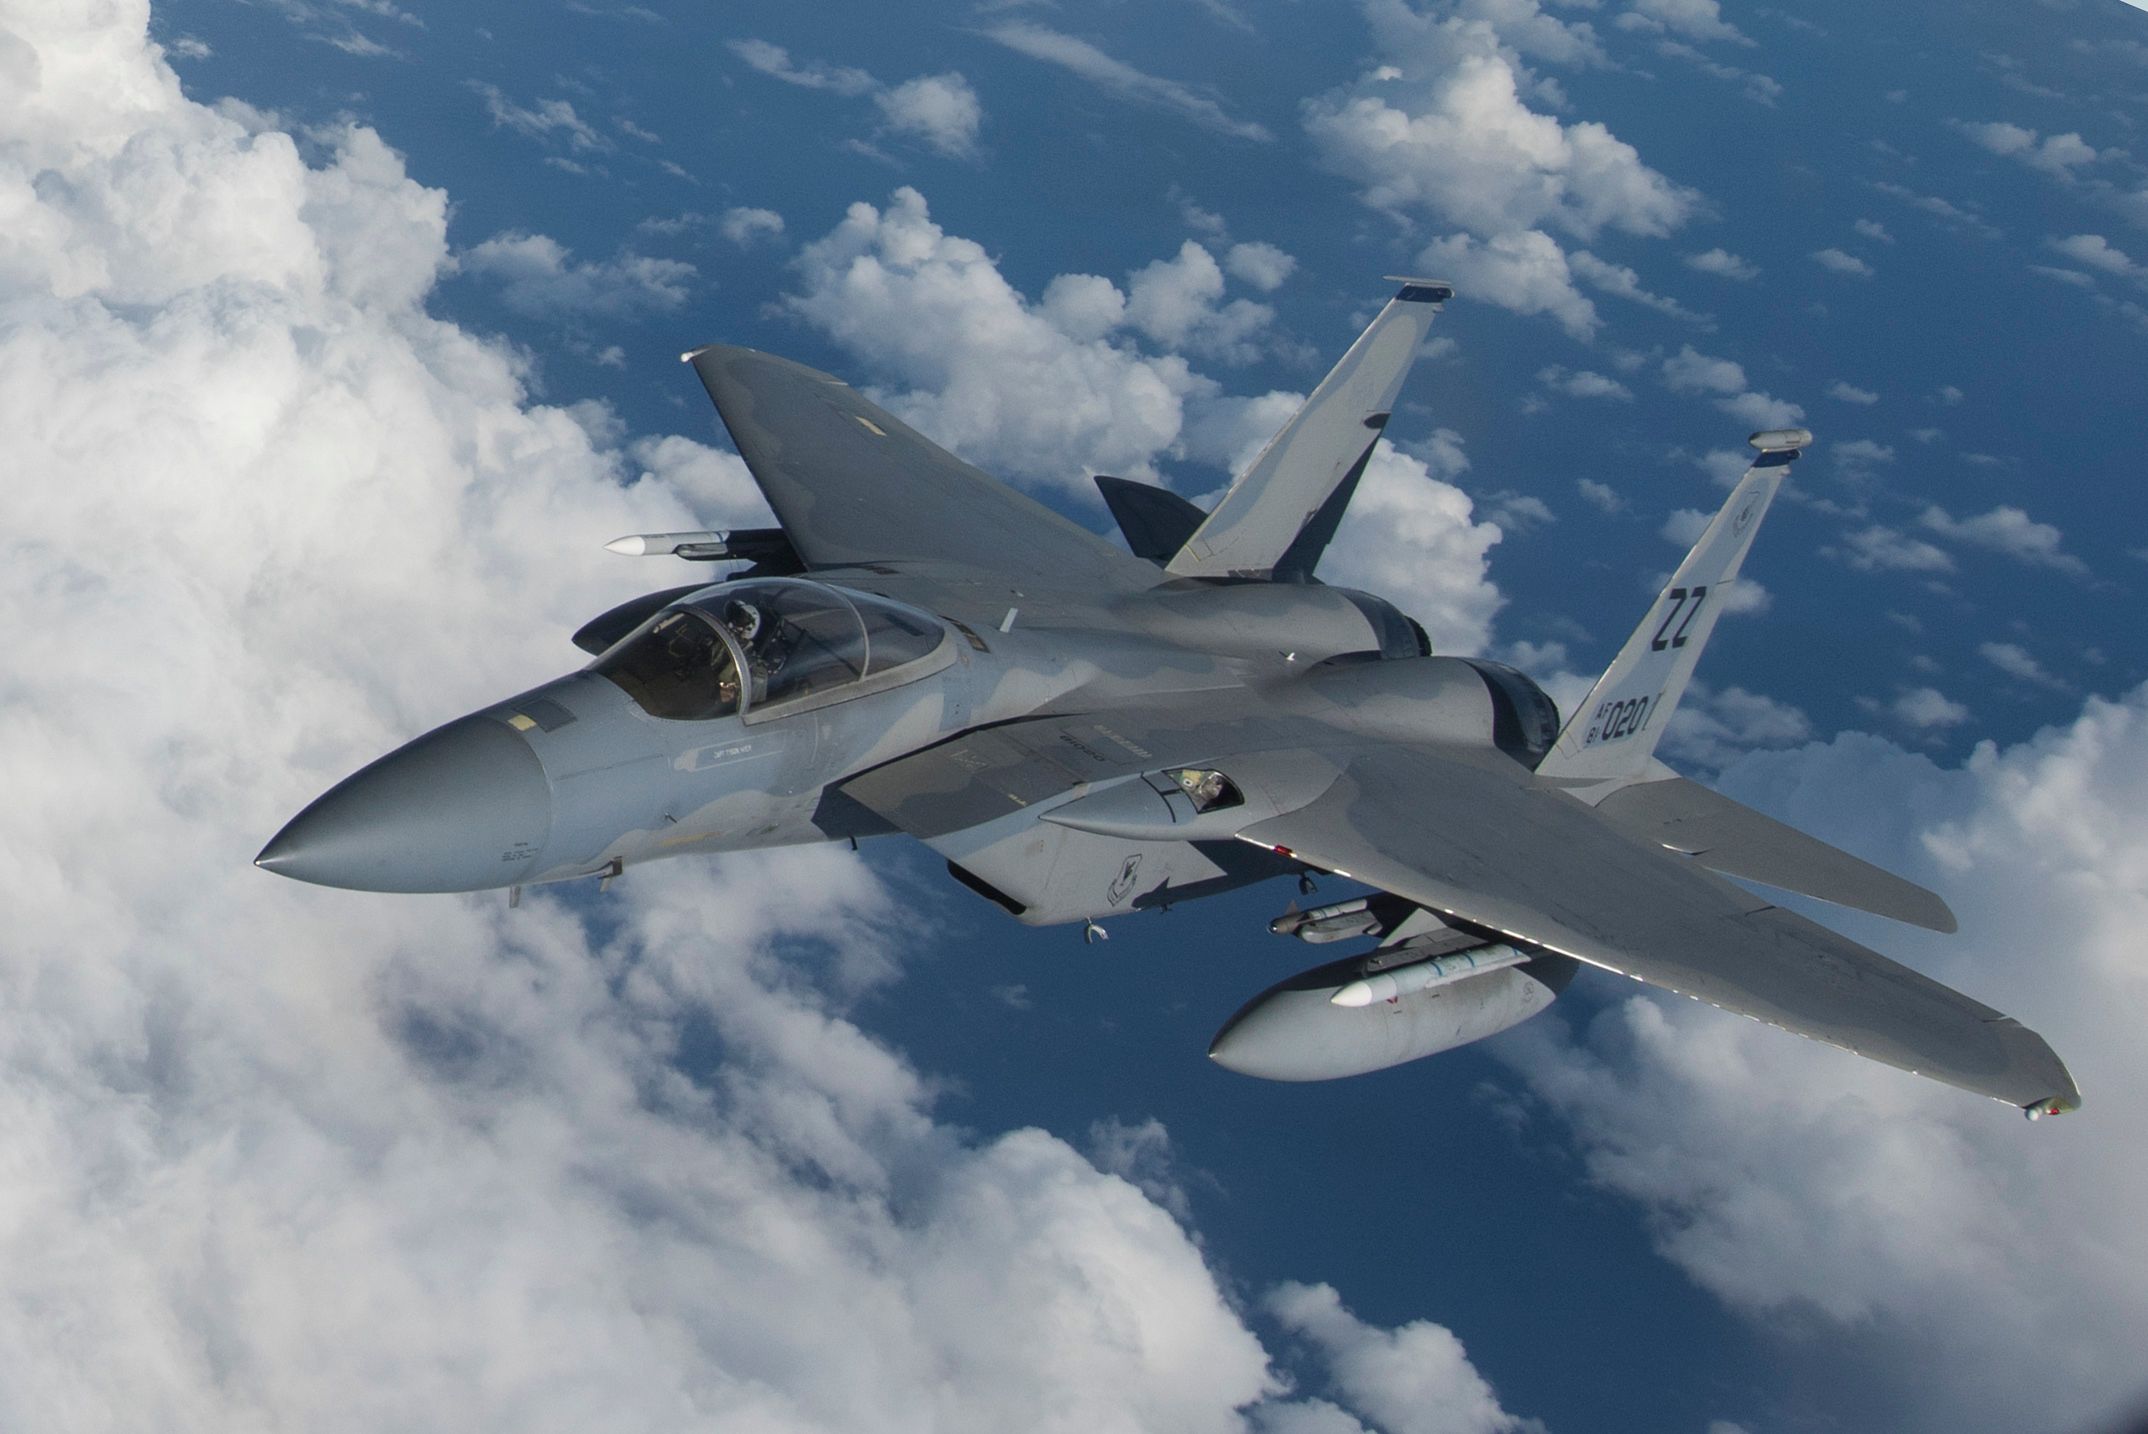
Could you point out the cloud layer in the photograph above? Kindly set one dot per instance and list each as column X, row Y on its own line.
column 286, row 1158
column 290, row 1158
column 1044, row 391
column 1445, row 129
column 1885, row 1222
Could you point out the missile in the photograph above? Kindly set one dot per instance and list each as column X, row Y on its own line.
column 1389, row 918
column 643, row 545
column 754, row 545
column 1399, row 981
column 1322, row 924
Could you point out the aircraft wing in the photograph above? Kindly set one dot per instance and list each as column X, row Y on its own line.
column 1472, row 837
column 1467, row 841
column 851, row 483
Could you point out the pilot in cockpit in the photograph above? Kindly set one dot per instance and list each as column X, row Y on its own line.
column 744, row 620
column 756, row 634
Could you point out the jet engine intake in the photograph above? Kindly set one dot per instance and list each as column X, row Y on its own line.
column 1442, row 699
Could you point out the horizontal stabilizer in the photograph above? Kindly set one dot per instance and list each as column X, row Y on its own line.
column 1156, row 521
column 1735, row 840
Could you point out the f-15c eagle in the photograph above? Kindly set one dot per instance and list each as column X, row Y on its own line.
column 1085, row 731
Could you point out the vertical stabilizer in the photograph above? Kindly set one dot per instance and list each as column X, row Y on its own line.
column 1320, row 451
column 1613, row 736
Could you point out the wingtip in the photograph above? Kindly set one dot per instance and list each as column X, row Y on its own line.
column 2032, row 1064
column 1918, row 906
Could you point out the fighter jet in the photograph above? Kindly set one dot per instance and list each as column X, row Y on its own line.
column 1085, row 731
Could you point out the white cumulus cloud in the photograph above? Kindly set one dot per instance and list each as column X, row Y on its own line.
column 1697, row 19
column 1926, row 707
column 1260, row 264
column 1526, row 272
column 1879, row 548
column 2096, row 252
column 1684, row 526
column 1583, row 384
column 1038, row 391
column 538, row 277
column 1713, row 728
column 1463, row 145
column 2017, row 661
column 2058, row 155
column 1447, row 127
column 1723, row 264
column 1412, row 1380
column 1178, row 302
column 2010, row 531
column 941, row 110
column 1690, row 371
column 314, row 1159
column 1760, row 410
column 1839, row 262
column 744, row 224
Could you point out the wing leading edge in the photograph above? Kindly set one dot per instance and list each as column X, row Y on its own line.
column 851, row 483
column 1536, row 865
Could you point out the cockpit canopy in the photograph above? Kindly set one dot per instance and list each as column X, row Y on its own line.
column 747, row 646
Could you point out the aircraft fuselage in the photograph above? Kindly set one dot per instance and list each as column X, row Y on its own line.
column 578, row 777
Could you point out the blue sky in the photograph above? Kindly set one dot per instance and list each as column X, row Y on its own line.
column 564, row 130
column 759, row 1140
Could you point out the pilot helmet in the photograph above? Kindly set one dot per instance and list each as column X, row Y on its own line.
column 743, row 618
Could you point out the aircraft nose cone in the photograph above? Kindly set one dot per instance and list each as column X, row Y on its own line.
column 463, row 808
